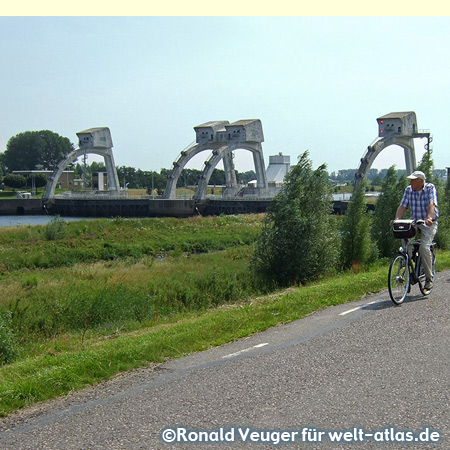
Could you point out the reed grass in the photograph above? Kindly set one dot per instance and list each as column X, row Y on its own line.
column 46, row 303
column 65, row 244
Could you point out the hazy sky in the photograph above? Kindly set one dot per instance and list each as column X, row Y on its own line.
column 316, row 83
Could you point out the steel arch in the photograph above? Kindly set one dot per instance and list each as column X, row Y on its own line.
column 373, row 150
column 112, row 178
column 219, row 151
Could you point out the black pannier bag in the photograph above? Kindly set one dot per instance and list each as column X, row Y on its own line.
column 404, row 229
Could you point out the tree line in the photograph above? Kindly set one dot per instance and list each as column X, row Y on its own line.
column 376, row 176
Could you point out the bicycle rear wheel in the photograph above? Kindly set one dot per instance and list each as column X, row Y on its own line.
column 398, row 279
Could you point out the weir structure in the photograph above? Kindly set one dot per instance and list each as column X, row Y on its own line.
column 396, row 128
column 221, row 138
column 94, row 140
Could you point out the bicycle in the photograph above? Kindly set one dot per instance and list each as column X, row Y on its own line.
column 406, row 270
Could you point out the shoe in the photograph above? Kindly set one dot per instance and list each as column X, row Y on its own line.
column 428, row 286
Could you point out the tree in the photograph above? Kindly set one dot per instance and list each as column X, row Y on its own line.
column 27, row 150
column 127, row 176
column 40, row 180
column 15, row 181
column 346, row 175
column 442, row 237
column 299, row 237
column 426, row 165
column 218, row 177
column 245, row 177
column 56, row 148
column 158, row 182
column 392, row 190
column 97, row 167
column 357, row 245
column 2, row 155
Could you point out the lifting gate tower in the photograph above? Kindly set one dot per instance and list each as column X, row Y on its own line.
column 222, row 138
column 93, row 140
column 397, row 128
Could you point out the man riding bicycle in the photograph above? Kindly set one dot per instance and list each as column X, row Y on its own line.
column 421, row 197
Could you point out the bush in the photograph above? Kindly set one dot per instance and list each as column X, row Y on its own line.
column 15, row 181
column 442, row 237
column 37, row 180
column 392, row 190
column 357, row 245
column 56, row 229
column 299, row 240
column 8, row 348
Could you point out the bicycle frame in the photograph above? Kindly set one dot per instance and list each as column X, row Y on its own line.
column 414, row 262
column 406, row 269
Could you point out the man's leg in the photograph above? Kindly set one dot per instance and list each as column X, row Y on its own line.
column 426, row 239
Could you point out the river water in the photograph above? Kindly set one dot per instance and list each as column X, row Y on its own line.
column 12, row 221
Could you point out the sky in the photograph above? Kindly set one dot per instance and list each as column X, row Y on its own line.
column 317, row 84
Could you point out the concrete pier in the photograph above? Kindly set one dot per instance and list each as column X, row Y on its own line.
column 140, row 207
column 19, row 206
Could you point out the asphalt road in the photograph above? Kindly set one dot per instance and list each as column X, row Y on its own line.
column 378, row 372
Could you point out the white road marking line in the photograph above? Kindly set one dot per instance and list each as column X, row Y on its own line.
column 245, row 350
column 355, row 309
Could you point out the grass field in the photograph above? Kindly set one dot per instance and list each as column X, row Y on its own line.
column 89, row 299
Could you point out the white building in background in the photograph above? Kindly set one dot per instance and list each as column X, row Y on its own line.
column 279, row 166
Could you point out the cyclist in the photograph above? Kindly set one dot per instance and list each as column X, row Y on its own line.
column 421, row 198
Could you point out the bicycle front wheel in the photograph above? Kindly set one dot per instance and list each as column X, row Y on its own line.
column 398, row 281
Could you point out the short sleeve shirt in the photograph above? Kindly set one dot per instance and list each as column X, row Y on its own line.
column 418, row 201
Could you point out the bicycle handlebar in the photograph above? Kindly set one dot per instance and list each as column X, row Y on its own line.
column 415, row 222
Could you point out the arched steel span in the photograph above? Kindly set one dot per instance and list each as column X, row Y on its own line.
column 225, row 152
column 222, row 138
column 96, row 141
column 219, row 151
column 373, row 150
column 397, row 128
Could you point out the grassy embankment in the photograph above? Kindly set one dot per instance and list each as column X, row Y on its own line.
column 93, row 298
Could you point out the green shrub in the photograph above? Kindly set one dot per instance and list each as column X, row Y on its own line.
column 392, row 190
column 30, row 282
column 357, row 245
column 299, row 241
column 8, row 348
column 56, row 229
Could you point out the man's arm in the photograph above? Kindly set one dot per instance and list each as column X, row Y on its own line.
column 399, row 214
column 400, row 211
column 430, row 214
